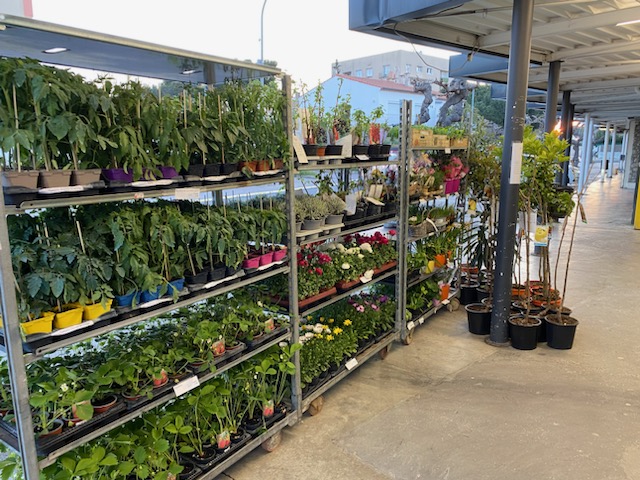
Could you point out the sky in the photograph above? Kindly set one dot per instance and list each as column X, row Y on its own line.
column 305, row 37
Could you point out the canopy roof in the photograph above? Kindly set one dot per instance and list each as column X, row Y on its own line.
column 600, row 58
column 24, row 37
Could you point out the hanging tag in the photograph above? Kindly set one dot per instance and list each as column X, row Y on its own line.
column 351, row 364
column 411, row 325
column 516, row 163
column 583, row 216
column 300, row 153
column 541, row 236
column 186, row 385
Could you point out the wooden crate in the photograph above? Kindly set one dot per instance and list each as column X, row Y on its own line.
column 421, row 138
column 460, row 142
column 441, row 141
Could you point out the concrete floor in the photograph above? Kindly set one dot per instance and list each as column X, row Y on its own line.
column 450, row 407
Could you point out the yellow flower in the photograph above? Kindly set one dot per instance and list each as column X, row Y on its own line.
column 331, row 320
column 318, row 335
column 347, row 322
column 337, row 331
column 309, row 317
column 321, row 319
column 329, row 337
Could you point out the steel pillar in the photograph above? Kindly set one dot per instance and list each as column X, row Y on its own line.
column 586, row 137
column 564, row 125
column 604, row 153
column 553, row 87
column 518, row 74
column 613, row 152
column 568, row 137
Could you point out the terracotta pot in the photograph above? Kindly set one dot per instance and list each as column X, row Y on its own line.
column 321, row 150
column 441, row 260
column 263, row 165
column 105, row 404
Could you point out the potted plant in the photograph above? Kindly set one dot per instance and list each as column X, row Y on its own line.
column 314, row 211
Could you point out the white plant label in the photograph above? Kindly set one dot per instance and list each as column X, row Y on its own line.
column 187, row 194
column 447, row 150
column 297, row 147
column 421, row 320
column 346, row 142
column 446, row 302
column 186, row 385
column 411, row 325
column 364, row 158
column 516, row 163
column 351, row 200
column 351, row 364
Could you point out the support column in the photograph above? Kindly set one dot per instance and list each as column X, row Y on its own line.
column 518, row 74
column 613, row 151
column 589, row 156
column 604, row 153
column 623, row 153
column 586, row 134
column 568, row 136
column 553, row 87
column 564, row 126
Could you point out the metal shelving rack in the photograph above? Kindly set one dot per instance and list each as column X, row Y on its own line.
column 405, row 326
column 380, row 347
column 26, row 37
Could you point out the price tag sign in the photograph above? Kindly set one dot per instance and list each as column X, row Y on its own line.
column 300, row 153
column 421, row 320
column 447, row 150
column 187, row 194
column 363, row 158
column 186, row 385
column 411, row 325
column 351, row 364
column 138, row 196
column 446, row 302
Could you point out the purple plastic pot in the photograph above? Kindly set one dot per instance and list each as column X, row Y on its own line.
column 117, row 175
column 168, row 172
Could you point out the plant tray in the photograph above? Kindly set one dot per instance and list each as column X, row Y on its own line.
column 17, row 195
column 231, row 449
column 194, row 474
column 219, row 361
column 385, row 267
column 252, row 344
column 307, row 302
column 69, row 434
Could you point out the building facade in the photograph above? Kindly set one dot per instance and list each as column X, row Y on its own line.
column 399, row 66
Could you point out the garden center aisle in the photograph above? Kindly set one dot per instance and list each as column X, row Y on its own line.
column 451, row 407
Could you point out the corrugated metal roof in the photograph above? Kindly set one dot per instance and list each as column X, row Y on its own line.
column 600, row 59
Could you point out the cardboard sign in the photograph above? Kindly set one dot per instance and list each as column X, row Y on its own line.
column 516, row 163
column 187, row 194
column 186, row 385
column 351, row 200
column 300, row 153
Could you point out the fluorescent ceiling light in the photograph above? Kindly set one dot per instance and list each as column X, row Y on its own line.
column 189, row 72
column 627, row 23
column 55, row 50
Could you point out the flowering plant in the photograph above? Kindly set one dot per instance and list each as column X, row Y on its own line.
column 377, row 249
column 316, row 271
column 454, row 168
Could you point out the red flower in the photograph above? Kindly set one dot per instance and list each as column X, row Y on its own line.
column 303, row 263
column 319, row 271
column 392, row 232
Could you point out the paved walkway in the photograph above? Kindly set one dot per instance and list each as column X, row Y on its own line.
column 450, row 407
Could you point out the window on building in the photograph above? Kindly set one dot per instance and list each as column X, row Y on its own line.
column 385, row 70
column 429, row 70
column 419, row 69
column 369, row 72
column 358, row 73
column 407, row 68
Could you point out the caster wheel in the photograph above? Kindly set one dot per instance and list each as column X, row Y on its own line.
column 454, row 305
column 384, row 352
column 408, row 338
column 270, row 444
column 316, row 406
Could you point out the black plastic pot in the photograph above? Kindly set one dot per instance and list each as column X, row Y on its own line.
column 197, row 279
column 482, row 292
column 228, row 168
column 374, row 151
column 333, row 150
column 373, row 210
column 213, row 170
column 218, row 272
column 560, row 334
column 468, row 293
column 524, row 337
column 478, row 318
column 311, row 149
column 385, row 149
column 360, row 150
column 195, row 170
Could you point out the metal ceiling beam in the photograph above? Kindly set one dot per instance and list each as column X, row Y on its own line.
column 602, row 84
column 560, row 27
column 588, row 51
column 599, row 72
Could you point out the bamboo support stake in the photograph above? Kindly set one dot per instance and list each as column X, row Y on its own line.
column 221, row 129
column 15, row 113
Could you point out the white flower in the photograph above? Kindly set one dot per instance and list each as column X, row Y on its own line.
column 318, row 328
column 309, row 334
column 413, row 219
column 331, row 246
column 346, row 266
column 64, row 387
column 353, row 250
column 283, row 344
column 365, row 247
column 260, row 304
column 368, row 274
column 327, row 330
column 341, row 247
column 360, row 256
column 301, row 340
column 308, row 327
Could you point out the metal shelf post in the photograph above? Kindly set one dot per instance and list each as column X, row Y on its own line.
column 403, row 230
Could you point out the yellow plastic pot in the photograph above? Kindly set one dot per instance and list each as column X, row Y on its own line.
column 39, row 325
column 91, row 312
column 68, row 318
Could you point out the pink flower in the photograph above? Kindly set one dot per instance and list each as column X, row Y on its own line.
column 360, row 308
column 374, row 307
column 392, row 232
column 319, row 271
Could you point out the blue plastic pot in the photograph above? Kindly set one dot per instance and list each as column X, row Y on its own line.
column 127, row 300
column 148, row 296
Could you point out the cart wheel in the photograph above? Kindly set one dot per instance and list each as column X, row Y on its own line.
column 271, row 443
column 454, row 305
column 384, row 352
column 316, row 406
column 408, row 338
